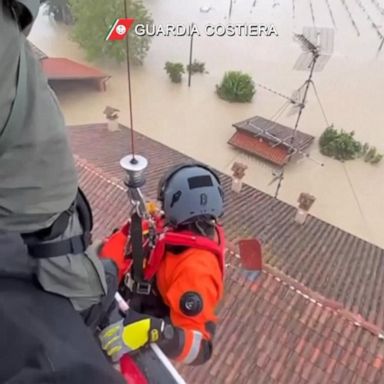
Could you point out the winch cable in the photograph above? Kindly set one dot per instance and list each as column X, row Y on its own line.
column 134, row 161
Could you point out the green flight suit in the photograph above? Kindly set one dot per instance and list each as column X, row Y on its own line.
column 38, row 179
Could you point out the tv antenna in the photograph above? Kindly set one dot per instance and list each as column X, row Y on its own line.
column 317, row 45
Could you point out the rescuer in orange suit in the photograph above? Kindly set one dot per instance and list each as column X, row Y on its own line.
column 178, row 309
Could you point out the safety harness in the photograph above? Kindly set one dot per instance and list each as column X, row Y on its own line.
column 137, row 273
column 184, row 239
column 41, row 244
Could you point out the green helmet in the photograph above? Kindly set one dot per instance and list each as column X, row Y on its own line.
column 189, row 192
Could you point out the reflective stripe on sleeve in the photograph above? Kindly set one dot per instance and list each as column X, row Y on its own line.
column 194, row 348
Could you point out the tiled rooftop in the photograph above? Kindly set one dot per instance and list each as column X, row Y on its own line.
column 57, row 68
column 260, row 127
column 322, row 257
column 272, row 333
column 272, row 330
column 259, row 147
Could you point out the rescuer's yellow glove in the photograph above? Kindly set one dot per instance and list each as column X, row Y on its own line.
column 130, row 334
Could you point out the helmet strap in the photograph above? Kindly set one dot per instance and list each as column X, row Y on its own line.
column 200, row 228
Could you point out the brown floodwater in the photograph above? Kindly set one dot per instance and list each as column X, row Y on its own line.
column 197, row 123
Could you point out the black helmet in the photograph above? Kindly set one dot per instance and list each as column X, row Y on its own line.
column 190, row 191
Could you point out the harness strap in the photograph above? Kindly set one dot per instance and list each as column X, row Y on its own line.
column 188, row 240
column 85, row 211
column 137, row 247
column 54, row 231
column 74, row 245
column 39, row 245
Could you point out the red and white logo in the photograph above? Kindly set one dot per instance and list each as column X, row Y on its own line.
column 119, row 29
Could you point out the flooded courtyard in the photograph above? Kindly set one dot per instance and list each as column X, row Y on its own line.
column 196, row 122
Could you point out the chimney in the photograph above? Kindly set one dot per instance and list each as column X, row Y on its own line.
column 112, row 116
column 305, row 201
column 251, row 258
column 238, row 170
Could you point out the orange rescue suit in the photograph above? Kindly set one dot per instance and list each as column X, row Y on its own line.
column 194, row 274
column 189, row 282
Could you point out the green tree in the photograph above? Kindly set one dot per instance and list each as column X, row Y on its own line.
column 326, row 140
column 364, row 149
column 60, row 10
column 237, row 87
column 339, row 144
column 197, row 67
column 175, row 71
column 343, row 146
column 377, row 158
column 93, row 19
column 370, row 155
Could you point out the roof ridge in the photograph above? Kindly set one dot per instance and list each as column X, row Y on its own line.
column 316, row 298
column 97, row 172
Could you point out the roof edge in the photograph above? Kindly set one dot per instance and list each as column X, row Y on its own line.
column 307, row 293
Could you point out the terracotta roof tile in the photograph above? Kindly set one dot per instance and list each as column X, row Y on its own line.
column 331, row 366
column 259, row 147
column 260, row 127
column 306, row 371
column 338, row 371
column 281, row 332
column 61, row 68
column 371, row 376
column 322, row 361
column 293, row 379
